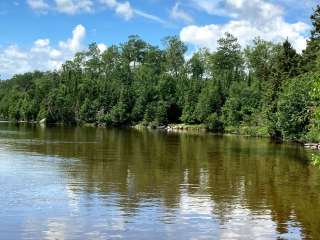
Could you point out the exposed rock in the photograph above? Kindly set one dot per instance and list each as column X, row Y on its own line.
column 43, row 121
column 314, row 146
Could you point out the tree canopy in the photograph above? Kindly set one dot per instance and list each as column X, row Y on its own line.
column 264, row 89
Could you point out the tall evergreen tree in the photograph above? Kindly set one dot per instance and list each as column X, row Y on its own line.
column 286, row 66
column 227, row 62
column 311, row 53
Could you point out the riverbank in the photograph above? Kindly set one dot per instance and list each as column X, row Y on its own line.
column 175, row 127
column 191, row 128
column 195, row 129
column 242, row 131
column 313, row 146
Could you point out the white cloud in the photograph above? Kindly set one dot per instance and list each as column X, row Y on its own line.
column 249, row 19
column 149, row 16
column 125, row 10
column 38, row 5
column 122, row 9
column 179, row 14
column 14, row 60
column 74, row 44
column 70, row 7
column 41, row 47
column 42, row 42
column 42, row 55
column 13, row 52
column 54, row 53
column 102, row 47
column 73, row 6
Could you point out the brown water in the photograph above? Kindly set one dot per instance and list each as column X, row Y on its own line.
column 87, row 183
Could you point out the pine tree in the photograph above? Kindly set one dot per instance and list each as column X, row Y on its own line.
column 313, row 45
column 286, row 66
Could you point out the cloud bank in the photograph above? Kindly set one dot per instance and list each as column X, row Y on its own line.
column 124, row 9
column 248, row 19
column 42, row 55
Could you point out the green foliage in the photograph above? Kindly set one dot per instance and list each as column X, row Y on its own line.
column 161, row 115
column 264, row 89
column 227, row 64
column 120, row 113
column 315, row 160
column 285, row 67
column 174, row 55
column 242, row 103
column 88, row 111
column 210, row 101
column 60, row 106
column 294, row 107
column 311, row 53
column 214, row 123
column 314, row 133
column 260, row 58
column 189, row 99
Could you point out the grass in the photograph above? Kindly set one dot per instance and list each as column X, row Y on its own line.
column 315, row 160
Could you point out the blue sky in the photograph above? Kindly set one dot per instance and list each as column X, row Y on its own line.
column 41, row 34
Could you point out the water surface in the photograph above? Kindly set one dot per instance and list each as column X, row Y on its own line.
column 88, row 183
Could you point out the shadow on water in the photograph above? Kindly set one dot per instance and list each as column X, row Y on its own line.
column 232, row 180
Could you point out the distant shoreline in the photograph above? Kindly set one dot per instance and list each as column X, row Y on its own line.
column 177, row 127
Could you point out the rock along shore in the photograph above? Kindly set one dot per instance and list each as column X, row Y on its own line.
column 314, row 146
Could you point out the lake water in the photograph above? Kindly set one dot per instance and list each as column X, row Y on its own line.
column 90, row 183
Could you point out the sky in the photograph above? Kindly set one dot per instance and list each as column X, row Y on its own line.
column 42, row 34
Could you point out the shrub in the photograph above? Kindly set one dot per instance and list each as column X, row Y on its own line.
column 214, row 123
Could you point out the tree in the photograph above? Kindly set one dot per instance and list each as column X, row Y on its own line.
column 144, row 89
column 259, row 88
column 287, row 62
column 60, row 106
column 210, row 101
column 134, row 50
column 120, row 113
column 197, row 65
column 174, row 55
column 285, row 66
column 314, row 133
column 168, row 88
column 311, row 53
column 190, row 93
column 242, row 104
column 89, row 110
column 227, row 62
column 214, row 123
column 293, row 115
column 260, row 58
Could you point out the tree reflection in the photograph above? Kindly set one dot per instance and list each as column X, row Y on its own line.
column 203, row 174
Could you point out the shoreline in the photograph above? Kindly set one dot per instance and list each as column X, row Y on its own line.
column 174, row 128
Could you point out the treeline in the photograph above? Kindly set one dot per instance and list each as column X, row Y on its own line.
column 264, row 89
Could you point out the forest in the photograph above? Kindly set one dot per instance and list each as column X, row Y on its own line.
column 265, row 89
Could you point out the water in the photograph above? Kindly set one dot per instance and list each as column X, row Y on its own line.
column 87, row 183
